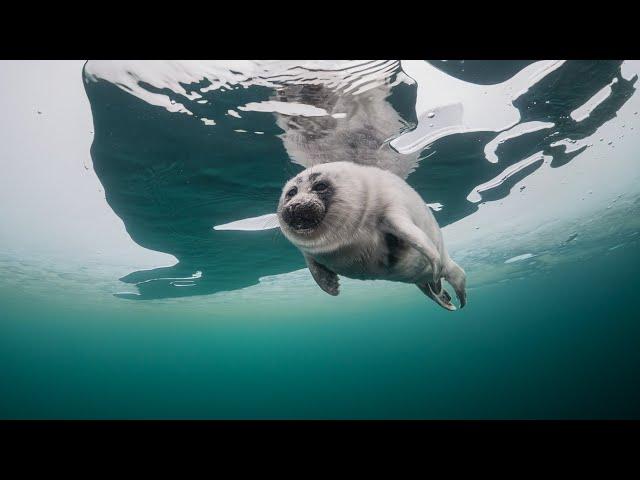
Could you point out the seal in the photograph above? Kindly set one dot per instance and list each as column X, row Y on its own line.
column 366, row 223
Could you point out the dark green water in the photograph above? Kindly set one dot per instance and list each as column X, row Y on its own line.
column 556, row 345
column 538, row 199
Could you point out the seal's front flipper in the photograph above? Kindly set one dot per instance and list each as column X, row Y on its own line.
column 325, row 278
column 438, row 294
column 402, row 227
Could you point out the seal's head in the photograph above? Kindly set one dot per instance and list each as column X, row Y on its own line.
column 305, row 201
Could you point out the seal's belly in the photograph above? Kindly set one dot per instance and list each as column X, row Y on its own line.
column 381, row 256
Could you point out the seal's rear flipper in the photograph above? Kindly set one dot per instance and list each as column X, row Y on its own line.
column 458, row 280
column 438, row 294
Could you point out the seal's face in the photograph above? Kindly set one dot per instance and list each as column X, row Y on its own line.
column 305, row 201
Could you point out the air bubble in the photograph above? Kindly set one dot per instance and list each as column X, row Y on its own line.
column 431, row 115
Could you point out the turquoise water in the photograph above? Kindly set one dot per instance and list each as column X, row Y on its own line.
column 548, row 346
column 128, row 304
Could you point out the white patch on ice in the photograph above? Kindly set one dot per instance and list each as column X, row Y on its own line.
column 582, row 112
column 519, row 258
column 475, row 197
column 286, row 108
column 520, row 129
column 263, row 222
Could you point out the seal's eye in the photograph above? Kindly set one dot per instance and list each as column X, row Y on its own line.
column 320, row 187
column 292, row 192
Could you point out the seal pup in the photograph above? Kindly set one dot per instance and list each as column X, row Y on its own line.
column 366, row 223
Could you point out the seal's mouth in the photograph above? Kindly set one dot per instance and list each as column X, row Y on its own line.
column 303, row 231
column 303, row 218
column 305, row 226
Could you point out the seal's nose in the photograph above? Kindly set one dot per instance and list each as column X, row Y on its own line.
column 303, row 215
